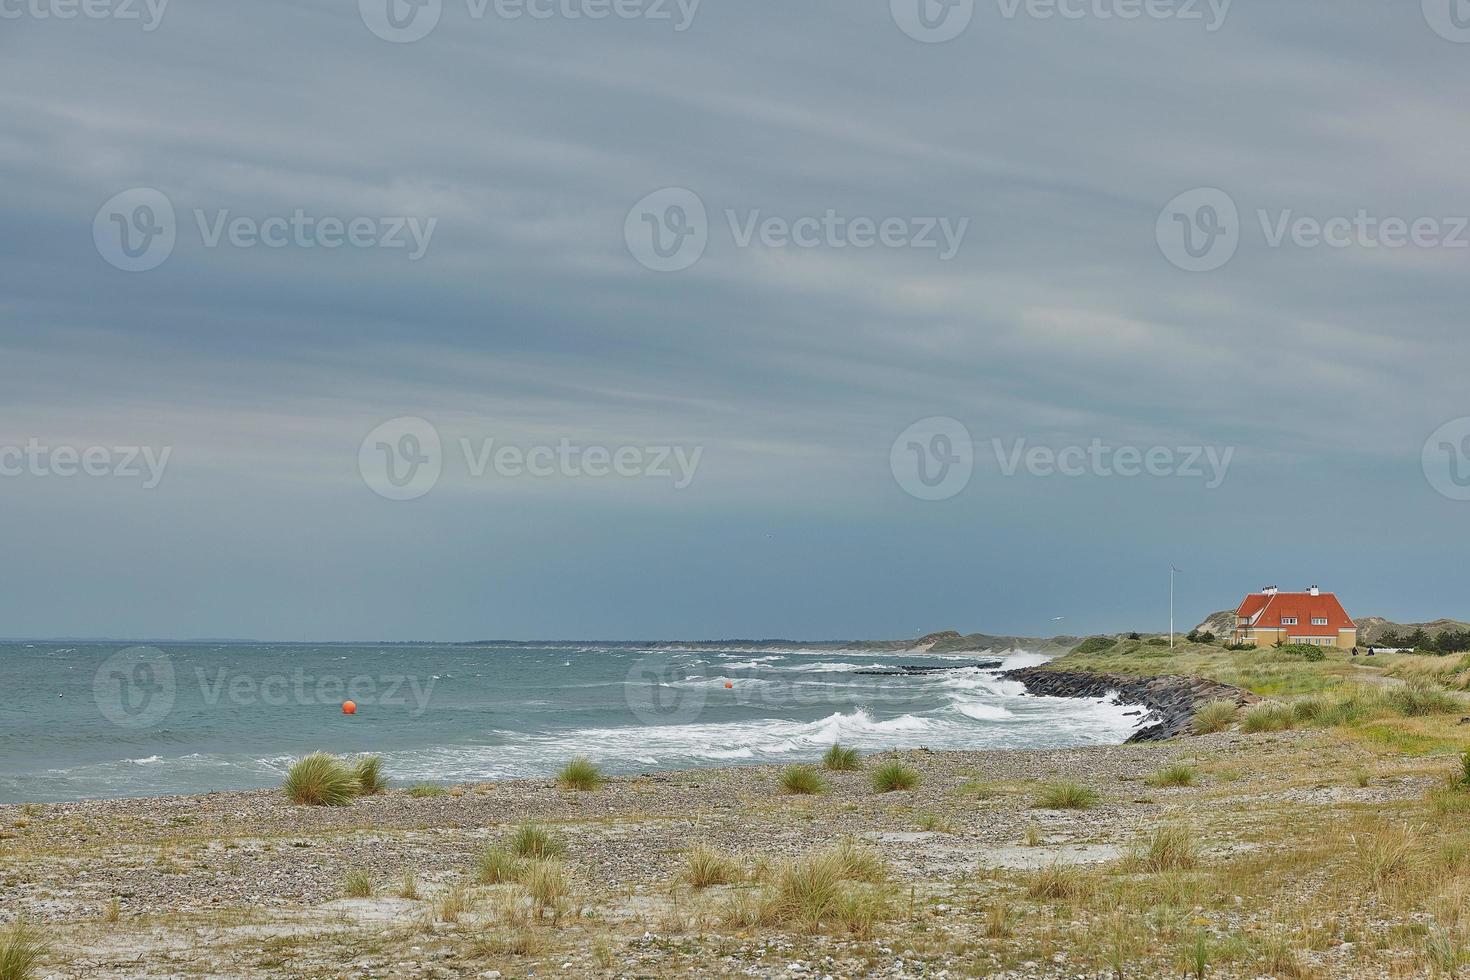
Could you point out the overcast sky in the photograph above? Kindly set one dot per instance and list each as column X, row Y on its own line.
column 1045, row 235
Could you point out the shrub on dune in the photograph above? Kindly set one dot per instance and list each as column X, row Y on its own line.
column 321, row 779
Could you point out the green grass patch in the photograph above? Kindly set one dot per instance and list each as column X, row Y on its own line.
column 1066, row 796
column 370, row 779
column 531, row 841
column 894, row 775
column 22, row 947
column 802, row 781
column 426, row 790
column 580, row 774
column 840, row 759
column 320, row 779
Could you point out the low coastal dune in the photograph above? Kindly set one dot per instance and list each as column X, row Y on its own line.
column 1288, row 844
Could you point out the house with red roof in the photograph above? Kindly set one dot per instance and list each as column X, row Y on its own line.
column 1271, row 616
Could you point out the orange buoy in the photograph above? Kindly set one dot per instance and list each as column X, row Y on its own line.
column 728, row 685
column 349, row 707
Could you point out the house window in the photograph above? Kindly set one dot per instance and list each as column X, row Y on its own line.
column 1319, row 620
column 1288, row 620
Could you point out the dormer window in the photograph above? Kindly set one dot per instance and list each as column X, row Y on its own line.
column 1288, row 620
column 1319, row 620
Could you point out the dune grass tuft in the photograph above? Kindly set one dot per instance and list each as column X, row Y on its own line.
column 1066, row 796
column 894, row 775
column 496, row 865
column 1214, row 716
column 22, row 947
column 1418, row 699
column 370, row 780
column 860, row 863
column 834, row 888
column 1268, row 716
column 1169, row 848
column 549, row 887
column 1387, row 854
column 1178, row 774
column 409, row 887
column 802, row 780
column 707, row 866
column 320, row 779
column 531, row 841
column 840, row 759
column 424, row 791
column 1059, row 883
column 453, row 904
column 358, row 884
column 580, row 774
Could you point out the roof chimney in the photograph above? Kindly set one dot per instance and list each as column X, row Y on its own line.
column 1269, row 590
column 1315, row 591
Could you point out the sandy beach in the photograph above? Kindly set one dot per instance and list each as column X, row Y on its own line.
column 249, row 884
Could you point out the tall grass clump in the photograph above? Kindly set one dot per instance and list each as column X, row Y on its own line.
column 580, row 774
column 894, row 775
column 21, row 948
column 320, row 779
column 370, row 780
column 1387, row 854
column 1168, row 848
column 1214, row 716
column 1059, row 883
column 861, row 863
column 496, row 865
column 1268, row 716
column 1418, row 699
column 548, row 886
column 802, row 780
column 358, row 884
column 531, row 841
column 834, row 887
column 1066, row 796
column 707, row 866
column 839, row 759
column 1178, row 774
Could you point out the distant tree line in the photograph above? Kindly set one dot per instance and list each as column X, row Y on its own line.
column 1448, row 641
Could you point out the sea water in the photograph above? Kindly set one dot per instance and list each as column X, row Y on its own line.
column 84, row 721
